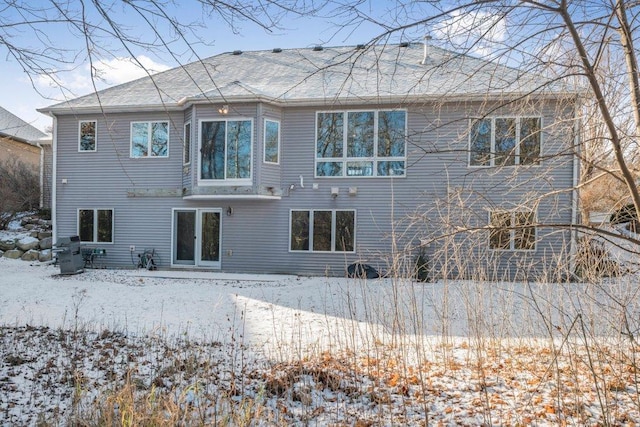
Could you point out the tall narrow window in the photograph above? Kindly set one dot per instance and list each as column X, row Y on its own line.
column 187, row 143
column 149, row 139
column 271, row 141
column 529, row 140
column 95, row 225
column 299, row 231
column 225, row 150
column 87, row 139
column 322, row 230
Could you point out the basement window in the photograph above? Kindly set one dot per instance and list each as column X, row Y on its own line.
column 512, row 230
column 322, row 230
column 95, row 225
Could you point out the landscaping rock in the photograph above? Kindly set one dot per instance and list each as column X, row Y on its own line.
column 7, row 245
column 30, row 255
column 27, row 243
column 45, row 223
column 13, row 254
column 33, row 248
column 45, row 255
column 46, row 243
column 44, row 234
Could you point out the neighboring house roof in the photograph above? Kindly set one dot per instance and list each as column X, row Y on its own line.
column 329, row 75
column 14, row 127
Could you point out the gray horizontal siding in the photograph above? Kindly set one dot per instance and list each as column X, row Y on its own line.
column 439, row 188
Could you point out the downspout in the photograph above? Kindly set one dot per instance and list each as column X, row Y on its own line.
column 54, row 178
column 41, row 174
column 574, row 194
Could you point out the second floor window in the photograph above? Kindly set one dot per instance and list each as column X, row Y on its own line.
column 149, row 139
column 505, row 141
column 271, row 141
column 87, row 136
column 361, row 143
column 187, row 143
column 225, row 150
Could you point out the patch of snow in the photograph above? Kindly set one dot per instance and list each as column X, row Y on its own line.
column 314, row 349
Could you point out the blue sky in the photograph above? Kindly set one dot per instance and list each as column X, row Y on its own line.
column 21, row 98
column 211, row 35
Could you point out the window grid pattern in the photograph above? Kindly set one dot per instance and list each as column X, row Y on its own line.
column 505, row 141
column 512, row 230
column 95, row 225
column 149, row 139
column 322, row 230
column 361, row 143
column 225, row 150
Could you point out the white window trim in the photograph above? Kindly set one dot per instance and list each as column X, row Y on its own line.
column 264, row 142
column 374, row 159
column 512, row 231
column 224, row 182
column 149, row 127
column 492, row 149
column 95, row 225
column 95, row 127
column 187, row 143
column 333, row 230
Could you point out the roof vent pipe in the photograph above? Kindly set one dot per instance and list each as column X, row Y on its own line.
column 427, row 40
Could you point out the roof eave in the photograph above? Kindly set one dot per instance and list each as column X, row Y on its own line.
column 187, row 102
column 95, row 109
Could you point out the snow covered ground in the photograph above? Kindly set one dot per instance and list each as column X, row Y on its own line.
column 317, row 350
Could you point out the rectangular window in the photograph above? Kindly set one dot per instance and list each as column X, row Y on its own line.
column 323, row 230
column 271, row 141
column 87, row 139
column 505, row 141
column 225, row 150
column 361, row 143
column 95, row 225
column 187, row 143
column 149, row 139
column 512, row 230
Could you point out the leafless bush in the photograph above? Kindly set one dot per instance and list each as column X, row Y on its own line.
column 19, row 189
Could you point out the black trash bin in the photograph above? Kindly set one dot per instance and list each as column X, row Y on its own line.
column 69, row 255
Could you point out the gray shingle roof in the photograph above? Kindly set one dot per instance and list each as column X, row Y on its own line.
column 14, row 127
column 381, row 73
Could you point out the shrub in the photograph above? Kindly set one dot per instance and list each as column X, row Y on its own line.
column 19, row 189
